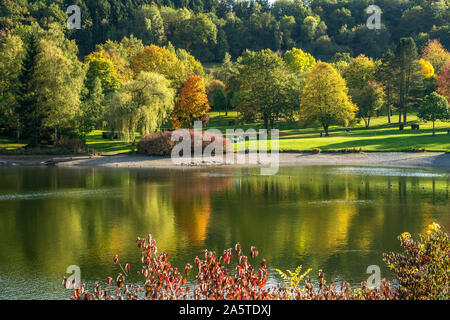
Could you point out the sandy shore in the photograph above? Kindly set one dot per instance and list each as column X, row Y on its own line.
column 434, row 160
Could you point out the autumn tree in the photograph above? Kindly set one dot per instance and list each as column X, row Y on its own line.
column 99, row 65
column 436, row 54
column 166, row 62
column 192, row 103
column 141, row 104
column 360, row 77
column 325, row 98
column 434, row 107
column 427, row 69
column 157, row 59
column 443, row 81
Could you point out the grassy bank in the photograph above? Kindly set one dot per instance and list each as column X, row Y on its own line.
column 381, row 136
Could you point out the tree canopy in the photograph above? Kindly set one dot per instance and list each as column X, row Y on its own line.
column 325, row 98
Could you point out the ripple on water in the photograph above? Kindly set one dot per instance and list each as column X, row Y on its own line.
column 398, row 172
column 54, row 194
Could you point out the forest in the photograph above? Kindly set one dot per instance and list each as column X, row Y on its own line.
column 139, row 65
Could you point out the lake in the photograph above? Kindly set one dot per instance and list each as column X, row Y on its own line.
column 339, row 219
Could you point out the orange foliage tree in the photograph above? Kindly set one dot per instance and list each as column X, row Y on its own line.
column 192, row 103
column 443, row 81
column 436, row 54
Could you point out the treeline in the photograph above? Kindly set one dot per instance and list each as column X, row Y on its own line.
column 210, row 28
column 125, row 86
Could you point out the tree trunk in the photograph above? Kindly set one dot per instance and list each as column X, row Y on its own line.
column 266, row 122
column 405, row 114
column 18, row 131
column 388, row 106
column 325, row 127
column 56, row 136
column 434, row 131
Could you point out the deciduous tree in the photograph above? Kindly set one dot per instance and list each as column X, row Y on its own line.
column 443, row 81
column 436, row 54
column 325, row 98
column 141, row 104
column 299, row 61
column 434, row 107
column 192, row 103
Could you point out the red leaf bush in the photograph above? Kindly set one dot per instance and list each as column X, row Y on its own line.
column 160, row 144
column 422, row 272
column 156, row 144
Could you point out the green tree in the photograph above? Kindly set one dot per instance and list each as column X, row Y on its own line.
column 385, row 75
column 434, row 107
column 299, row 61
column 220, row 100
column 267, row 89
column 371, row 101
column 408, row 76
column 12, row 54
column 141, row 104
column 325, row 98
column 58, row 82
column 91, row 111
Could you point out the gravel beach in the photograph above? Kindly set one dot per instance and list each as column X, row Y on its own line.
column 432, row 160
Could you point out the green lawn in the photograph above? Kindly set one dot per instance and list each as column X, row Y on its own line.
column 96, row 142
column 10, row 144
column 379, row 137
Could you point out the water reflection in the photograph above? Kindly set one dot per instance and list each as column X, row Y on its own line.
column 337, row 219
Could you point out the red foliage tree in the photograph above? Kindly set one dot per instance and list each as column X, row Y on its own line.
column 192, row 103
column 443, row 81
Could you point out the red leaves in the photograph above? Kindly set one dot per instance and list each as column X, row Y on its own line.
column 254, row 252
column 216, row 280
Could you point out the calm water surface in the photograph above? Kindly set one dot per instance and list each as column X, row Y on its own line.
column 339, row 219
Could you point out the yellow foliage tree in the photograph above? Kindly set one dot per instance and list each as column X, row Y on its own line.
column 175, row 66
column 427, row 69
column 325, row 98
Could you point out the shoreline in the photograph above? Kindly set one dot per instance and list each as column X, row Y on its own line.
column 424, row 160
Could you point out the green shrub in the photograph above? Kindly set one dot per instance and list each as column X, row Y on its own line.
column 423, row 269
